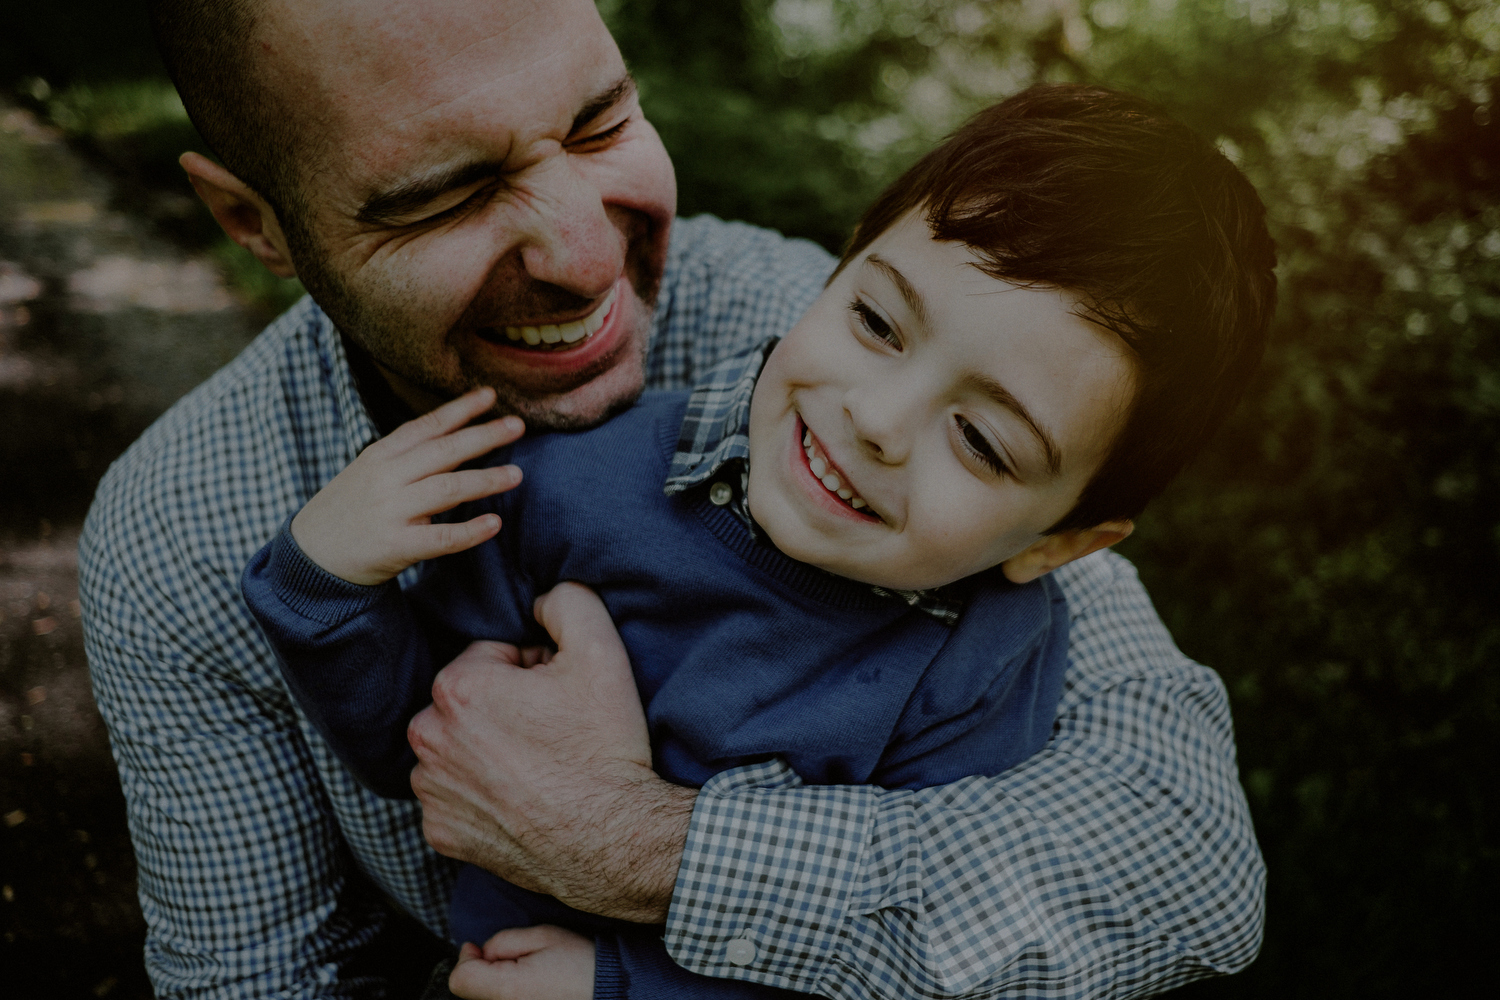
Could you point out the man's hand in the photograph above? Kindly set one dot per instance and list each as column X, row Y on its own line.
column 542, row 774
column 527, row 963
column 375, row 518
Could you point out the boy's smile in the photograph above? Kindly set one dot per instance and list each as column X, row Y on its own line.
column 925, row 421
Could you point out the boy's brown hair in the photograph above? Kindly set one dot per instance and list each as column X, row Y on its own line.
column 1106, row 195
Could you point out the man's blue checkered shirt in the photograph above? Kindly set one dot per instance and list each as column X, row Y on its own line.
column 1119, row 861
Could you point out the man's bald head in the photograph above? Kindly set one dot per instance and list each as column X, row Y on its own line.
column 436, row 173
column 221, row 72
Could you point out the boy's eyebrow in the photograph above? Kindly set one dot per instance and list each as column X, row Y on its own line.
column 386, row 207
column 987, row 386
column 914, row 300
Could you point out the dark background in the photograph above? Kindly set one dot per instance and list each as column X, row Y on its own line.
column 1333, row 556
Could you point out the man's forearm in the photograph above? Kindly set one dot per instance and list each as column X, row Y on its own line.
column 615, row 853
column 1121, row 861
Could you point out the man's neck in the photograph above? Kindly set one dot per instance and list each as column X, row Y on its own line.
column 386, row 402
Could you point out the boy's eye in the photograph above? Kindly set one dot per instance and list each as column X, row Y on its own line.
column 980, row 446
column 874, row 324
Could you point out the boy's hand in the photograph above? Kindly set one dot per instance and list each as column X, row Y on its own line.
column 375, row 518
column 527, row 963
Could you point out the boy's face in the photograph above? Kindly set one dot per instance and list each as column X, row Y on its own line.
column 962, row 416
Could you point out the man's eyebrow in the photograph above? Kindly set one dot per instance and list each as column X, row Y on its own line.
column 984, row 384
column 603, row 101
column 392, row 206
column 914, row 300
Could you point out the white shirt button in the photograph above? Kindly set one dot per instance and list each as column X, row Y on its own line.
column 721, row 493
column 740, row 951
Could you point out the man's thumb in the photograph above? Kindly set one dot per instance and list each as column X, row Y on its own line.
column 579, row 622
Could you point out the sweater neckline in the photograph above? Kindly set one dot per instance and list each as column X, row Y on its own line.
column 810, row 581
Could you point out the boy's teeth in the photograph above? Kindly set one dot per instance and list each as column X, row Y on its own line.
column 830, row 480
column 562, row 333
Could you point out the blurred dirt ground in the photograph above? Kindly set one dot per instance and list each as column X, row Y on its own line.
column 103, row 323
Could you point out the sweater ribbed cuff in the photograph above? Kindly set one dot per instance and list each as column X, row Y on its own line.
column 609, row 973
column 309, row 590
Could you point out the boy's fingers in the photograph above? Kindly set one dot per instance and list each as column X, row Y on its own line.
column 463, row 445
column 474, row 978
column 518, row 942
column 450, row 416
column 447, row 490
column 433, row 540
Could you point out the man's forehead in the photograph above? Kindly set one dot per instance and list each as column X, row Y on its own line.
column 388, row 81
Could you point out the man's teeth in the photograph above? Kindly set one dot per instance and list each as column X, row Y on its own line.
column 830, row 480
column 563, row 333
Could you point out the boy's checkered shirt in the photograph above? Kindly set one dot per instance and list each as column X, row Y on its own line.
column 1119, row 861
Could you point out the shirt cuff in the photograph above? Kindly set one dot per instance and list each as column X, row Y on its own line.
column 308, row 590
column 768, row 878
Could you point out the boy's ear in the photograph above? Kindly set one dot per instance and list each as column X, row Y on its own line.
column 247, row 217
column 1052, row 551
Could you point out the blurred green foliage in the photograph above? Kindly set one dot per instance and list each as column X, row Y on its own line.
column 1335, row 554
column 91, row 69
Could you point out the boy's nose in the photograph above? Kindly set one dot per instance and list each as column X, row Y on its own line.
column 882, row 421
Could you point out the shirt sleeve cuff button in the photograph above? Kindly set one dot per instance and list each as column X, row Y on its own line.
column 740, row 952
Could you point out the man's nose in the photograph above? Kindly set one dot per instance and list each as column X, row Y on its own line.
column 568, row 240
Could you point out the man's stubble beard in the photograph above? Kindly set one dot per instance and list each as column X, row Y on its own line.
column 380, row 333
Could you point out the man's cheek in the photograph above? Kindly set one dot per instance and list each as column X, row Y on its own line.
column 433, row 283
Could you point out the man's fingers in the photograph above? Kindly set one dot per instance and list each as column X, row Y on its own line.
column 576, row 619
column 533, row 655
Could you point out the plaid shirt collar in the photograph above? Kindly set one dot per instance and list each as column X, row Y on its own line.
column 714, row 443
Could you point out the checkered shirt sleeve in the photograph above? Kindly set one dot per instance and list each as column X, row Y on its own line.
column 1118, row 862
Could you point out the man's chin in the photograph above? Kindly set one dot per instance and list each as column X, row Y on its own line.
column 595, row 400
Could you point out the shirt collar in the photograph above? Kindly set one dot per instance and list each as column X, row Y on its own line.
column 716, row 431
column 716, row 426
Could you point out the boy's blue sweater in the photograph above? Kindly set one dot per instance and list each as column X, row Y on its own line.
column 740, row 653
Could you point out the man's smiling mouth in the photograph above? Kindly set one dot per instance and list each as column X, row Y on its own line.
column 825, row 474
column 553, row 337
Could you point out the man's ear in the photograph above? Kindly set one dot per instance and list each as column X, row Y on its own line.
column 1052, row 551
column 247, row 217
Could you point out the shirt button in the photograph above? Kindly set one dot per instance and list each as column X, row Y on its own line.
column 720, row 494
column 740, row 951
